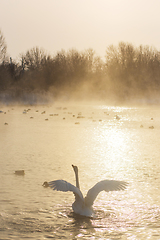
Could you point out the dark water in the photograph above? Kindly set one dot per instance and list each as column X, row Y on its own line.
column 106, row 143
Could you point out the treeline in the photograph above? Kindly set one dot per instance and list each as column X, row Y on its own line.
column 127, row 73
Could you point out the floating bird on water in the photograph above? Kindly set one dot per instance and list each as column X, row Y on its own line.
column 20, row 172
column 83, row 206
column 45, row 184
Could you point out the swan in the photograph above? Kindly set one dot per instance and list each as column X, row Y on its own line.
column 83, row 206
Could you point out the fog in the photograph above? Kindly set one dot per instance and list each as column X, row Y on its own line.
column 128, row 74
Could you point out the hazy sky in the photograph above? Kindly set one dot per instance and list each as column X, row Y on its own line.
column 81, row 24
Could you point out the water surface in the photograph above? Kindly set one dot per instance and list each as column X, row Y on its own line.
column 105, row 142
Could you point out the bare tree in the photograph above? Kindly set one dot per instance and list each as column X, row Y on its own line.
column 3, row 48
column 34, row 58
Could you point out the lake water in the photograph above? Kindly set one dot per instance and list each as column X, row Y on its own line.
column 105, row 142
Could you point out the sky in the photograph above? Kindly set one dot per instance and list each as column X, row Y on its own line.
column 80, row 24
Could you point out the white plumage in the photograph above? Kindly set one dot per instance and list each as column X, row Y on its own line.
column 64, row 186
column 83, row 206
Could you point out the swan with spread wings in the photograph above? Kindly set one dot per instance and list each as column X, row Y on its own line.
column 83, row 206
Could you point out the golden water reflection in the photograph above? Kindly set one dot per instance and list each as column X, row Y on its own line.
column 103, row 147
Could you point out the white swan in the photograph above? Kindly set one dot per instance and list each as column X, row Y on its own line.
column 83, row 206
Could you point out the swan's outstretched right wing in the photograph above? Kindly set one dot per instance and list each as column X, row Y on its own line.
column 104, row 185
column 64, row 186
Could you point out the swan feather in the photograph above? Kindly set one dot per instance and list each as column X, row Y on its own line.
column 64, row 186
column 104, row 185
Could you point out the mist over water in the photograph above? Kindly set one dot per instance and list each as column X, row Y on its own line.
column 105, row 142
column 128, row 74
column 76, row 108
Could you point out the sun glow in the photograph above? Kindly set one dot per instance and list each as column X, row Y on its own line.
column 114, row 146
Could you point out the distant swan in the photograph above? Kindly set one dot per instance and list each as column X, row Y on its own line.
column 83, row 206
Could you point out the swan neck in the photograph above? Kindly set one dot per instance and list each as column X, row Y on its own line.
column 77, row 180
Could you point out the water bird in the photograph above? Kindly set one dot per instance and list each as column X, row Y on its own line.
column 19, row 172
column 80, row 116
column 117, row 117
column 45, row 184
column 83, row 206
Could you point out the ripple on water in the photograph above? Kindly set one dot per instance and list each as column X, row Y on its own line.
column 102, row 149
column 63, row 222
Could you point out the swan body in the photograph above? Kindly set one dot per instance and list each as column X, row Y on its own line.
column 83, row 206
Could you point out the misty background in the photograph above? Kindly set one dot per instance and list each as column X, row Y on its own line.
column 126, row 74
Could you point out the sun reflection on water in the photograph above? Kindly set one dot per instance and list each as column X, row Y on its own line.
column 108, row 149
column 114, row 147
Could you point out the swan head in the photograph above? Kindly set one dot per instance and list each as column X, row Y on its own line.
column 75, row 168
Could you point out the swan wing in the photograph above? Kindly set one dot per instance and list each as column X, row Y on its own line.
column 64, row 186
column 104, row 185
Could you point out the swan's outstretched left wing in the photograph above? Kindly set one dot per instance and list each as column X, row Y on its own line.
column 105, row 185
column 64, row 186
